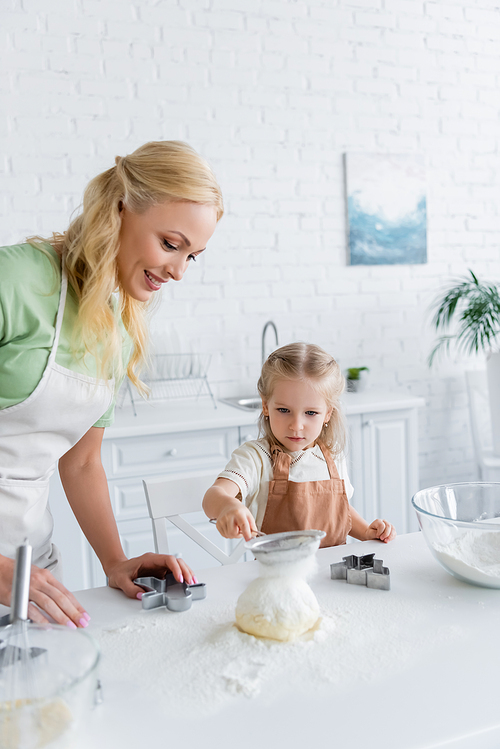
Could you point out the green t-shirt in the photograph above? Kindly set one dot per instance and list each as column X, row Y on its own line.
column 29, row 298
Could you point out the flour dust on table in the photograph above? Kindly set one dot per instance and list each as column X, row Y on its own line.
column 279, row 604
column 198, row 663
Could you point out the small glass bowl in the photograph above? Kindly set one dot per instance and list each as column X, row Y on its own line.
column 461, row 525
column 48, row 684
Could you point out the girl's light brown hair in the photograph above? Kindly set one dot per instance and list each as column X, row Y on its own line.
column 155, row 173
column 306, row 361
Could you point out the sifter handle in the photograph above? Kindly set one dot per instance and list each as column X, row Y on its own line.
column 255, row 533
column 21, row 583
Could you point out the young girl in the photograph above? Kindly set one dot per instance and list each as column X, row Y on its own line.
column 295, row 476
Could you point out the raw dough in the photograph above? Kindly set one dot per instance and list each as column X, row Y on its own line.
column 279, row 608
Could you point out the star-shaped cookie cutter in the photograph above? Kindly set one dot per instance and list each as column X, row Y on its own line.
column 365, row 570
column 168, row 592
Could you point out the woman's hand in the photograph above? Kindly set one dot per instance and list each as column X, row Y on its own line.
column 236, row 521
column 380, row 529
column 48, row 598
column 121, row 574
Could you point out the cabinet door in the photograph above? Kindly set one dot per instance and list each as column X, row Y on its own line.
column 390, row 467
column 248, row 433
column 354, row 457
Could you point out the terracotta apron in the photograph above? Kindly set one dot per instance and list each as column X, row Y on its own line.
column 34, row 434
column 319, row 505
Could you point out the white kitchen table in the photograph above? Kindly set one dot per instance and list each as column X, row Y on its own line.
column 443, row 691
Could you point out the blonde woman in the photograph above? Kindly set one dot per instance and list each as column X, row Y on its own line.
column 295, row 476
column 66, row 341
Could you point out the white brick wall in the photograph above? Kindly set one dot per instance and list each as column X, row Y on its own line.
column 273, row 93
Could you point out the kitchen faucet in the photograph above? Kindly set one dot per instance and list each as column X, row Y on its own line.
column 266, row 326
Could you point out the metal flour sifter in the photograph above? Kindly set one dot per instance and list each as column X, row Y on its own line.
column 284, row 548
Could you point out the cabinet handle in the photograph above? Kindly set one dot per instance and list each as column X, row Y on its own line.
column 368, row 423
column 172, row 452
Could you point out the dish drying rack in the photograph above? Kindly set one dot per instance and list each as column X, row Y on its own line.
column 171, row 376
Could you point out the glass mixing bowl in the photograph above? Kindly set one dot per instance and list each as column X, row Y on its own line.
column 48, row 684
column 461, row 525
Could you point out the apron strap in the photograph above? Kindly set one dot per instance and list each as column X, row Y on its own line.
column 281, row 469
column 332, row 468
column 60, row 313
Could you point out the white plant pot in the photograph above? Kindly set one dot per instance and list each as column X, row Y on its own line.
column 493, row 374
column 358, row 386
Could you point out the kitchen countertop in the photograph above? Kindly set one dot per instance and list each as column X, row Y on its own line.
column 415, row 666
column 191, row 415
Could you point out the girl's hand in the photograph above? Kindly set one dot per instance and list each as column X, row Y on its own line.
column 49, row 600
column 236, row 522
column 121, row 574
column 382, row 530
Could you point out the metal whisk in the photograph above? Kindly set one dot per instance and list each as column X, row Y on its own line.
column 21, row 584
column 18, row 617
column 18, row 677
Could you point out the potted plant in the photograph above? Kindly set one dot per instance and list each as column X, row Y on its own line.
column 475, row 306
column 356, row 379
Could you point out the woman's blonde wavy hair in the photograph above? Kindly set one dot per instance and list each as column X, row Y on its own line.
column 155, row 173
column 306, row 361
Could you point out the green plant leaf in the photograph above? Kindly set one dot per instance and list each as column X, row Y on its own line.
column 476, row 307
column 442, row 343
column 353, row 372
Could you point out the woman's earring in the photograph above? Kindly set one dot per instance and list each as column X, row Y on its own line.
column 325, row 425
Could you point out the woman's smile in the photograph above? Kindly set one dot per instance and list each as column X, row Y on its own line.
column 158, row 244
column 153, row 281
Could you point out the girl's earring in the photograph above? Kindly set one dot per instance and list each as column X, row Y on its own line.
column 325, row 425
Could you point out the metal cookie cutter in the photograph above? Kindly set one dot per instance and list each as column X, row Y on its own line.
column 363, row 570
column 168, row 592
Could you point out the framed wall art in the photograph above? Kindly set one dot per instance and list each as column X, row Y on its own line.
column 386, row 208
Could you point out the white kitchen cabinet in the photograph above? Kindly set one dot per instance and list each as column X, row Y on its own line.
column 383, row 465
column 175, row 438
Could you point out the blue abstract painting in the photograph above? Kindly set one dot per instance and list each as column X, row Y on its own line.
column 386, row 208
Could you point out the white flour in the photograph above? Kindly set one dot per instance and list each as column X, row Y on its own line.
column 475, row 555
column 199, row 660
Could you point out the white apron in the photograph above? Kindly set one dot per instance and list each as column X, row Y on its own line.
column 34, row 434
